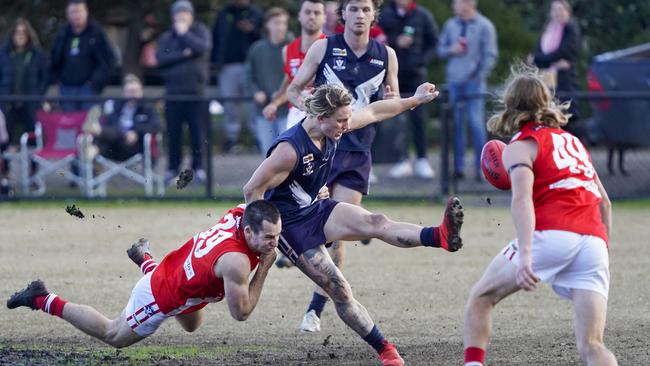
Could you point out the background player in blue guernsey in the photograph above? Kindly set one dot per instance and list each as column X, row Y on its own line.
column 297, row 167
column 363, row 66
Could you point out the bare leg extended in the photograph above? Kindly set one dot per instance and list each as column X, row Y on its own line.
column 498, row 282
column 116, row 332
column 591, row 312
column 349, row 222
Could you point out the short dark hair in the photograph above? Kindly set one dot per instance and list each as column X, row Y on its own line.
column 344, row 3
column 259, row 211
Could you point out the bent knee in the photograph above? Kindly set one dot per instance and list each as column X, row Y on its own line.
column 485, row 295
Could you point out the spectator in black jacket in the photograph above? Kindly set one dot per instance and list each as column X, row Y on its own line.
column 122, row 134
column 237, row 27
column 82, row 57
column 557, row 52
column 183, row 57
column 23, row 70
column 413, row 33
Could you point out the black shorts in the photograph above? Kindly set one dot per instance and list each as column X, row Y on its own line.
column 351, row 169
column 298, row 237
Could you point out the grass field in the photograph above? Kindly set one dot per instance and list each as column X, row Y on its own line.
column 416, row 296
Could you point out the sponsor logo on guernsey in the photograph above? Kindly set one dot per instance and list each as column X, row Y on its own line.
column 339, row 52
column 308, row 162
column 374, row 61
column 339, row 64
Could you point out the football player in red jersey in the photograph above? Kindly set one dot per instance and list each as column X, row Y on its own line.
column 562, row 217
column 311, row 18
column 212, row 265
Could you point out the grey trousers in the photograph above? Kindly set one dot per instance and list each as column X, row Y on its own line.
column 232, row 83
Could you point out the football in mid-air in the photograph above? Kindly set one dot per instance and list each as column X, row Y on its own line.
column 492, row 165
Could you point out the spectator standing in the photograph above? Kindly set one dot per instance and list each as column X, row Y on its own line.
column 265, row 74
column 82, row 57
column 23, row 70
column 469, row 43
column 413, row 33
column 122, row 136
column 557, row 51
column 237, row 27
column 183, row 57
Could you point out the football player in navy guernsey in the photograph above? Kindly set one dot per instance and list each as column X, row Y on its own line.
column 297, row 168
column 368, row 70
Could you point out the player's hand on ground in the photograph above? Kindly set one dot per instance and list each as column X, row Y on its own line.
column 425, row 93
column 526, row 278
column 269, row 112
column 324, row 193
column 389, row 93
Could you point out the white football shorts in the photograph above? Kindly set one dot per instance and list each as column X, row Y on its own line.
column 567, row 260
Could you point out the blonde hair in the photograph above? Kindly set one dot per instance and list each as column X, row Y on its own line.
column 326, row 99
column 526, row 98
column 132, row 78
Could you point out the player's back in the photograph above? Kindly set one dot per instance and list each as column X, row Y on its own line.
column 296, row 195
column 362, row 76
column 565, row 193
column 185, row 277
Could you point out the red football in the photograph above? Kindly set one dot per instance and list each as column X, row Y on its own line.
column 492, row 164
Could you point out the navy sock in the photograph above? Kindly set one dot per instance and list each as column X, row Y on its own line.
column 428, row 237
column 375, row 339
column 317, row 303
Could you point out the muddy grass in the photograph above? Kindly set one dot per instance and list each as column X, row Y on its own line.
column 415, row 296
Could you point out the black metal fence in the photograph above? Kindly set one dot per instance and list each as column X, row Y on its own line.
column 226, row 173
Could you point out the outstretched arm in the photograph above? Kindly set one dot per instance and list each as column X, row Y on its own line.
column 273, row 171
column 242, row 296
column 388, row 108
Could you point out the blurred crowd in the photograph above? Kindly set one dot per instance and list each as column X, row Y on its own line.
column 247, row 46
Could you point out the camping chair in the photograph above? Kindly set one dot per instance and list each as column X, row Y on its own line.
column 57, row 137
column 148, row 176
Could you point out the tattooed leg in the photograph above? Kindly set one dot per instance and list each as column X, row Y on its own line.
column 318, row 266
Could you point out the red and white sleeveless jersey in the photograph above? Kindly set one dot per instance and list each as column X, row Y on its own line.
column 294, row 57
column 185, row 278
column 565, row 193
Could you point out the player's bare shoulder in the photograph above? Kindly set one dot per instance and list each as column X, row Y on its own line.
column 316, row 52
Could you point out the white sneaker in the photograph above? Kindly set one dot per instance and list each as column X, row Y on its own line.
column 310, row 322
column 423, row 170
column 401, row 170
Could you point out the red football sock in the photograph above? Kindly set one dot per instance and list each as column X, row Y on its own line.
column 474, row 356
column 51, row 304
column 148, row 264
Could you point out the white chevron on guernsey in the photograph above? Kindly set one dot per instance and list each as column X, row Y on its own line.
column 301, row 197
column 363, row 91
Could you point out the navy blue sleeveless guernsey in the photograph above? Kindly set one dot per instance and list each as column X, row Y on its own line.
column 296, row 196
column 363, row 76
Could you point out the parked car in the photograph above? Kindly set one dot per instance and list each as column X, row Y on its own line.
column 621, row 123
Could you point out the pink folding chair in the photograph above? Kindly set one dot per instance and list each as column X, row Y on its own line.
column 57, row 136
